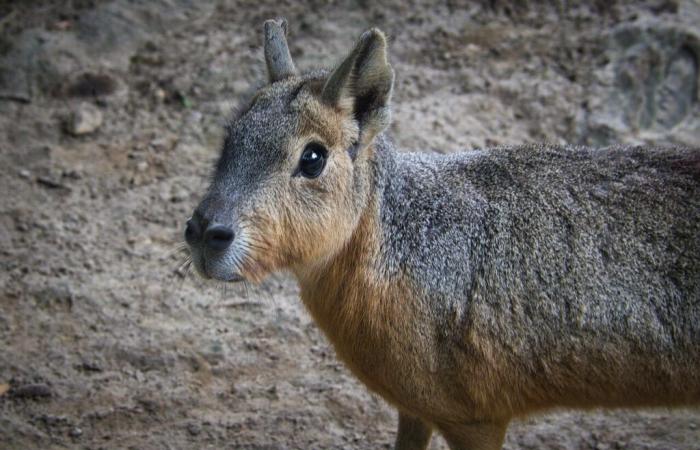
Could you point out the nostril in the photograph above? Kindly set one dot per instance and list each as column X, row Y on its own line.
column 192, row 231
column 218, row 237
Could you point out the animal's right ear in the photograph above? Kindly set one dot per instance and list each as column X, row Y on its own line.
column 362, row 84
column 279, row 61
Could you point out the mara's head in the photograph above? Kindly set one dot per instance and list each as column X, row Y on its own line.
column 294, row 173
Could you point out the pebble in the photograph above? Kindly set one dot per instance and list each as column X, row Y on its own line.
column 153, row 291
column 179, row 195
column 150, row 406
column 85, row 119
column 162, row 143
column 51, row 182
column 160, row 95
column 56, row 293
column 75, row 432
column 35, row 390
column 91, row 366
column 194, row 429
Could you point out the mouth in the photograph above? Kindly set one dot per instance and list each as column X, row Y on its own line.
column 234, row 278
column 214, row 270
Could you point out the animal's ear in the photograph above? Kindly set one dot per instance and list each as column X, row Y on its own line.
column 363, row 83
column 277, row 57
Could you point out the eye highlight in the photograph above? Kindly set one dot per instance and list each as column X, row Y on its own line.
column 313, row 160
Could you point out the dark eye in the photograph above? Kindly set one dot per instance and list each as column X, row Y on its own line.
column 313, row 160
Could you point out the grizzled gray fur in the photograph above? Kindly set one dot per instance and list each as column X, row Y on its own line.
column 594, row 244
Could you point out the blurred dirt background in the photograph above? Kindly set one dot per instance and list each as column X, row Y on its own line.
column 111, row 114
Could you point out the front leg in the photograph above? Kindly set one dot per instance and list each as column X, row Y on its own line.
column 414, row 434
column 476, row 436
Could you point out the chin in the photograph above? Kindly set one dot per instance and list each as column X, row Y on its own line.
column 216, row 273
column 226, row 277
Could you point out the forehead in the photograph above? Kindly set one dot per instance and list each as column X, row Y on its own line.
column 258, row 140
column 255, row 143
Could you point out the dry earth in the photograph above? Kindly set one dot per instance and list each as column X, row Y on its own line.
column 104, row 344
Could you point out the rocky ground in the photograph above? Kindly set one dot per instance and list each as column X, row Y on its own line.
column 111, row 115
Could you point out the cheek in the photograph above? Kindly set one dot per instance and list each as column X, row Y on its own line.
column 323, row 211
column 301, row 220
column 326, row 198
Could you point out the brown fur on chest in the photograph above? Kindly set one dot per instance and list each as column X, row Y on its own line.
column 384, row 333
column 369, row 320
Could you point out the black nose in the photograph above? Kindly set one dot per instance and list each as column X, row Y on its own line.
column 193, row 231
column 215, row 236
column 218, row 237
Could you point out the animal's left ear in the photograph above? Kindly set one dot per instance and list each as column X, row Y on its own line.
column 362, row 84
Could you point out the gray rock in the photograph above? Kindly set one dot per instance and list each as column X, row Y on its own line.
column 40, row 62
column 55, row 295
column 194, row 429
column 649, row 87
column 146, row 360
column 32, row 391
column 85, row 119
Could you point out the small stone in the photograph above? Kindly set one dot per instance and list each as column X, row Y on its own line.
column 85, row 119
column 273, row 393
column 142, row 166
column 56, row 294
column 165, row 193
column 24, row 173
column 153, row 291
column 91, row 366
column 160, row 95
column 92, row 85
column 179, row 195
column 73, row 174
column 51, row 182
column 52, row 421
column 150, row 406
column 62, row 25
column 75, row 432
column 472, row 49
column 161, row 143
column 35, row 390
column 194, row 429
column 240, row 86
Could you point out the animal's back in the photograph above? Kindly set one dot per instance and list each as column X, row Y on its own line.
column 560, row 276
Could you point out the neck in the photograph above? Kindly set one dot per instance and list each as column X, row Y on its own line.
column 359, row 301
column 373, row 172
column 347, row 283
column 355, row 305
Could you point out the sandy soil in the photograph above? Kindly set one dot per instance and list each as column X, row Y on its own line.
column 104, row 343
